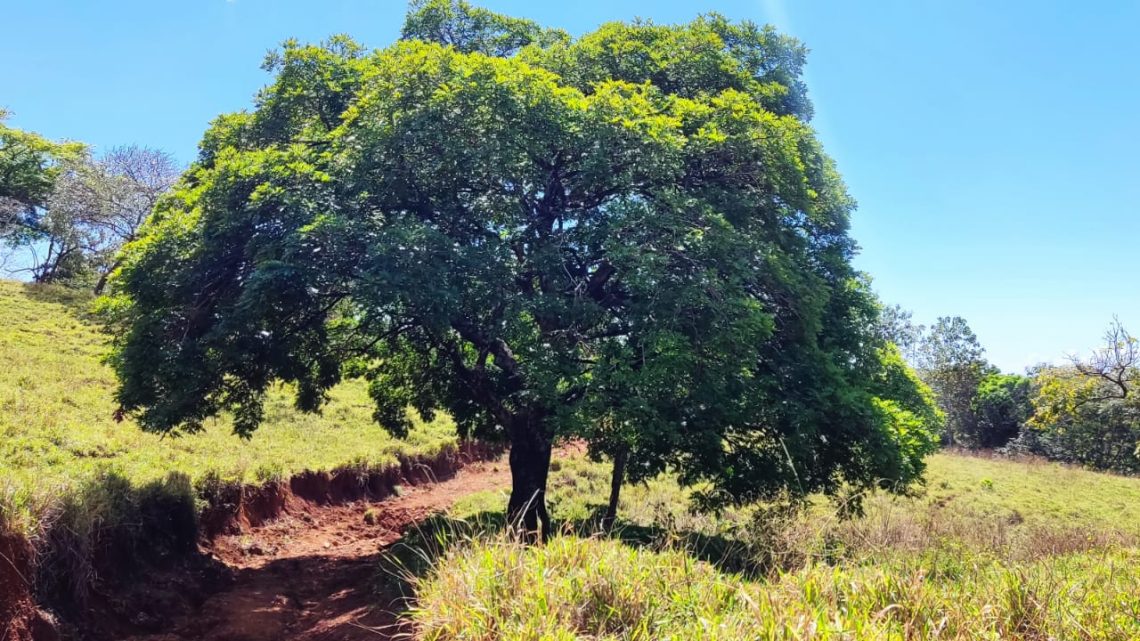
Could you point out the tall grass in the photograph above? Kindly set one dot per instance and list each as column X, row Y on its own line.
column 576, row 588
column 987, row 550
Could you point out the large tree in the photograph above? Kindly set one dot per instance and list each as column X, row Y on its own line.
column 632, row 237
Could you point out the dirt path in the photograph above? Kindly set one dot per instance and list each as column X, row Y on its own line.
column 309, row 575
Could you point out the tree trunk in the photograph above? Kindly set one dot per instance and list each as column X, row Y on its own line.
column 615, row 490
column 530, row 467
column 104, row 276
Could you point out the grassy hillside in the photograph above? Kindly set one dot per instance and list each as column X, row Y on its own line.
column 57, row 431
column 988, row 549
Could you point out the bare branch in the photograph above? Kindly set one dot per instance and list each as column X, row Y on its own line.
column 1114, row 365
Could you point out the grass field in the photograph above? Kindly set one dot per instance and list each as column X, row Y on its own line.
column 988, row 549
column 57, row 431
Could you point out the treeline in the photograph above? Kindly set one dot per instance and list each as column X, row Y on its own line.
column 65, row 212
column 1082, row 411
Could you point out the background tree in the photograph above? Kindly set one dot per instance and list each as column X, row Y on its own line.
column 112, row 197
column 551, row 244
column 1086, row 412
column 896, row 325
column 951, row 360
column 29, row 167
column 1111, row 371
column 1001, row 406
column 94, row 206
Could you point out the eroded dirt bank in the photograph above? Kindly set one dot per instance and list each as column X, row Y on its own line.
column 309, row 574
column 288, row 560
column 20, row 619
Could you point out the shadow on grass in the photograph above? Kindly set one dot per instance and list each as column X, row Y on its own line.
column 116, row 554
column 421, row 547
column 77, row 299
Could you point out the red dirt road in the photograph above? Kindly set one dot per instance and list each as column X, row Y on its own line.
column 308, row 576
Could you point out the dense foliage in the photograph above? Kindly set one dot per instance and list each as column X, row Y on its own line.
column 633, row 237
column 1086, row 412
column 1001, row 407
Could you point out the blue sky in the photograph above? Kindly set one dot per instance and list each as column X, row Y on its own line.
column 991, row 146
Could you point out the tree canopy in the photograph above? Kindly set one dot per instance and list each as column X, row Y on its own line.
column 632, row 237
column 952, row 361
column 29, row 166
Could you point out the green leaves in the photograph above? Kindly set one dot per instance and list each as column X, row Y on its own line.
column 631, row 237
column 471, row 29
column 29, row 163
column 29, row 166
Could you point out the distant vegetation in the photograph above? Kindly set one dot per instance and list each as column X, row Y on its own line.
column 1084, row 412
column 65, row 214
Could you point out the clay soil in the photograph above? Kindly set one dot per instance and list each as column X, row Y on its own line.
column 310, row 574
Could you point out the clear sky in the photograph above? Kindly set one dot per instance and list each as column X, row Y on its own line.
column 991, row 145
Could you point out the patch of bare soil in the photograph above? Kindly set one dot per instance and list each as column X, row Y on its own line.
column 308, row 574
column 20, row 619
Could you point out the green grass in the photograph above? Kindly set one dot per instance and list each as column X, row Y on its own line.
column 1046, row 494
column 988, row 549
column 577, row 589
column 57, row 433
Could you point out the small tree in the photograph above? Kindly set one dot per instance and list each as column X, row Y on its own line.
column 632, row 237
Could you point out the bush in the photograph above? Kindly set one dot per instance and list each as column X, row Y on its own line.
column 1001, row 406
column 1095, row 440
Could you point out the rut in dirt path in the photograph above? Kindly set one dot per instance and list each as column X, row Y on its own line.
column 308, row 575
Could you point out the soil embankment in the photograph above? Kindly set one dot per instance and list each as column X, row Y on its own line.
column 309, row 575
column 293, row 560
